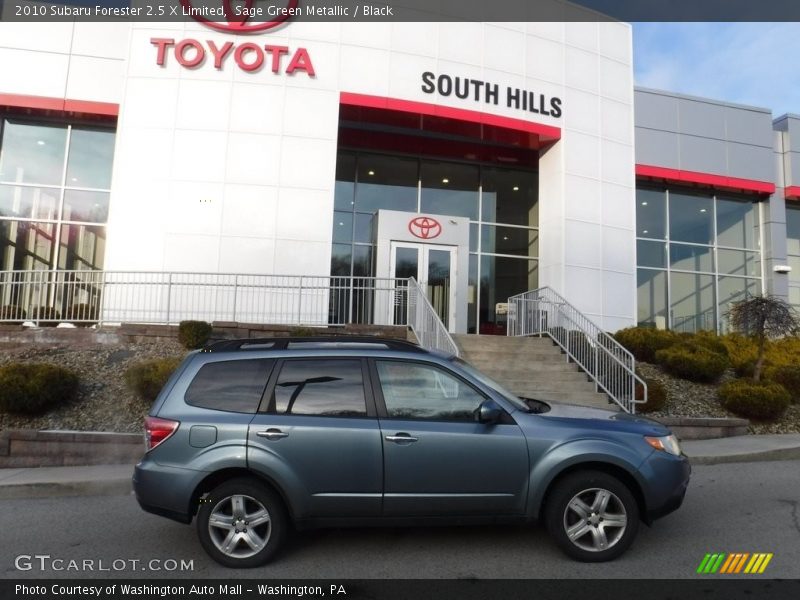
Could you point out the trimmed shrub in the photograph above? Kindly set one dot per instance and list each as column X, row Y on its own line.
column 82, row 314
column 656, row 396
column 789, row 377
column 692, row 361
column 645, row 342
column 708, row 339
column 34, row 389
column 193, row 334
column 146, row 378
column 301, row 332
column 761, row 401
column 49, row 314
column 9, row 311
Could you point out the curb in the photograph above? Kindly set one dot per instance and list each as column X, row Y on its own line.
column 63, row 489
column 764, row 456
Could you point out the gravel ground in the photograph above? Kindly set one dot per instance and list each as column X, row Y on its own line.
column 688, row 399
column 104, row 403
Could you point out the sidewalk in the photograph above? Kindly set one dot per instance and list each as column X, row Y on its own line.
column 114, row 480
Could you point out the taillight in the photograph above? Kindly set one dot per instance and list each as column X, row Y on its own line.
column 157, row 430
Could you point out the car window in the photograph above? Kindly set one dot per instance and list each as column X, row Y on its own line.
column 419, row 391
column 230, row 385
column 320, row 387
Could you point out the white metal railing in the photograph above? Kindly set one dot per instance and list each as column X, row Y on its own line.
column 606, row 361
column 424, row 321
column 168, row 298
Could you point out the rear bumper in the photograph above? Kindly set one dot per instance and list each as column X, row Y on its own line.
column 670, row 477
column 165, row 491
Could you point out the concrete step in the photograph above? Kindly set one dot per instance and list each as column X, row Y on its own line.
column 549, row 386
column 471, row 341
column 512, row 357
column 532, row 368
column 582, row 398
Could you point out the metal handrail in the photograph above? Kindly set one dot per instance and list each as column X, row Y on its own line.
column 424, row 321
column 608, row 364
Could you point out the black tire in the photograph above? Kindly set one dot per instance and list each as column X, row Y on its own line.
column 590, row 531
column 233, row 504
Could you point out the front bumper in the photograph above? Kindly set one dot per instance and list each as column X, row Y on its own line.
column 669, row 479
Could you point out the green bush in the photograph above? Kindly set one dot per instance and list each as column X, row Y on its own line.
column 644, row 342
column 656, row 396
column 9, row 311
column 193, row 334
column 707, row 339
column 762, row 401
column 302, row 332
column 82, row 314
column 789, row 377
column 49, row 314
column 692, row 361
column 146, row 378
column 34, row 389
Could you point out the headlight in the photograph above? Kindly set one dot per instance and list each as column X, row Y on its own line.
column 668, row 443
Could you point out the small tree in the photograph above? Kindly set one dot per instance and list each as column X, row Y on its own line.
column 763, row 318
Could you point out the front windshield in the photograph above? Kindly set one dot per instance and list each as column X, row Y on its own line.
column 489, row 382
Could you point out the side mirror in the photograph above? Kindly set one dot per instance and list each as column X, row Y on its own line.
column 489, row 412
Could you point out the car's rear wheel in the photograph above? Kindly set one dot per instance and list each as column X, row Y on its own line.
column 241, row 523
column 592, row 516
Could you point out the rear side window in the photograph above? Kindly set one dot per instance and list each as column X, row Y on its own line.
column 332, row 388
column 230, row 385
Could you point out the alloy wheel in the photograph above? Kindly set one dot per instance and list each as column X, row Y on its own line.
column 595, row 520
column 239, row 526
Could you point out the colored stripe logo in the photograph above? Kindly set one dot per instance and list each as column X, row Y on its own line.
column 735, row 563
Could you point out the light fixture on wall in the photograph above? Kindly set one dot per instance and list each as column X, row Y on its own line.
column 702, row 210
column 644, row 203
column 516, row 188
column 445, row 180
column 370, row 173
column 782, row 269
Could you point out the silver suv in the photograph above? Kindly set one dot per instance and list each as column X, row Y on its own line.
column 256, row 436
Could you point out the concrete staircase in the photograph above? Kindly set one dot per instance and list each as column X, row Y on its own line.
column 531, row 367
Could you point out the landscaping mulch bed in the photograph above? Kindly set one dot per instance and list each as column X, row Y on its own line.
column 104, row 403
column 688, row 399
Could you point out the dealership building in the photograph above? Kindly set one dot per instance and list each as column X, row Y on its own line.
column 483, row 159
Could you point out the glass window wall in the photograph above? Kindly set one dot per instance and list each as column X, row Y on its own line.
column 696, row 254
column 502, row 205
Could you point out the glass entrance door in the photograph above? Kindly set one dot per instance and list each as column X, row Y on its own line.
column 434, row 268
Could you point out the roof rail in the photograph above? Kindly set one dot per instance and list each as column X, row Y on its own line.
column 312, row 342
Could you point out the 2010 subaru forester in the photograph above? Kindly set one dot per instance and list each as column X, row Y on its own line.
column 256, row 436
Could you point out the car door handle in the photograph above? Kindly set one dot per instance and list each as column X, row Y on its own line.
column 272, row 434
column 400, row 438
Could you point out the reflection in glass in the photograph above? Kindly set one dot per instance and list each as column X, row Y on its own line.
column 652, row 298
column 734, row 289
column 739, row 262
column 692, row 302
column 691, row 258
column 691, row 218
column 449, row 189
column 91, row 207
column 340, row 260
column 736, row 223
column 342, row 226
column 651, row 254
column 83, row 247
column 364, row 228
column 320, row 387
column 26, row 245
column 651, row 213
column 344, row 190
column 29, row 202
column 32, row 153
column 510, row 196
column 91, row 154
column 386, row 182
column 362, row 261
column 793, row 231
column 406, row 262
column 510, row 240
column 501, row 278
column 472, row 295
column 438, row 288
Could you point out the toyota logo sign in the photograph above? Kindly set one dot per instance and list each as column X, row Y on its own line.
column 425, row 228
column 237, row 20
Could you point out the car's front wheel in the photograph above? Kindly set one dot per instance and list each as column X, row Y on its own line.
column 241, row 523
column 592, row 516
